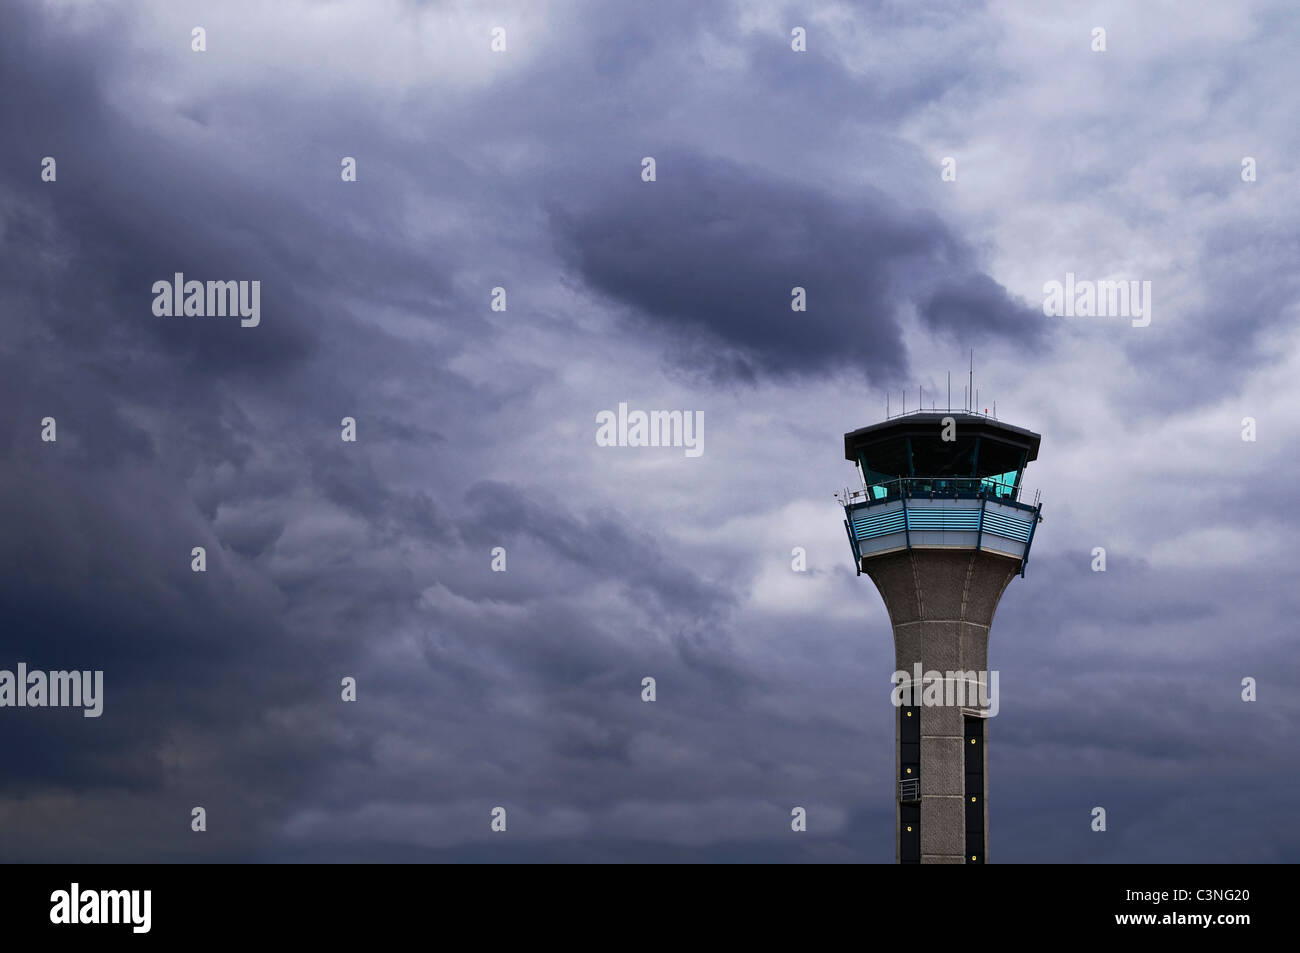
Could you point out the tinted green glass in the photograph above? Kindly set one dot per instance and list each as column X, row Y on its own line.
column 1001, row 484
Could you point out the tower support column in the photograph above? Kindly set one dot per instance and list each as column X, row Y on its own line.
column 941, row 604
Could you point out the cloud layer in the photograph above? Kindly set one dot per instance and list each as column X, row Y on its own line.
column 476, row 427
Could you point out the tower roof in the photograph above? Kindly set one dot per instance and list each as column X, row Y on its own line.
column 928, row 426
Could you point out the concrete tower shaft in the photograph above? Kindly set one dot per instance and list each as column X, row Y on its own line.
column 941, row 605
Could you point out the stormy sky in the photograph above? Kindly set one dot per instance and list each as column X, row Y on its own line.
column 522, row 169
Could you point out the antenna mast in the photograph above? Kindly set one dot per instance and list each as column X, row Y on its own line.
column 970, row 381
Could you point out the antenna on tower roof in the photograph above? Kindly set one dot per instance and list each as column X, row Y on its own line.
column 970, row 381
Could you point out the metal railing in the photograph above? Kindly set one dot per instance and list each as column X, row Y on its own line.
column 935, row 488
column 965, row 411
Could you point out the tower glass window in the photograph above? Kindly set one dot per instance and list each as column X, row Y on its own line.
column 1001, row 484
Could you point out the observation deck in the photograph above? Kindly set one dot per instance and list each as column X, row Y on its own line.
column 940, row 480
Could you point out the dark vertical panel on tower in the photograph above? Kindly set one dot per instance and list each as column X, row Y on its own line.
column 909, row 832
column 909, row 739
column 973, row 744
column 909, row 771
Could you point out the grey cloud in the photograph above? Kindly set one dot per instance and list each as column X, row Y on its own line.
column 710, row 252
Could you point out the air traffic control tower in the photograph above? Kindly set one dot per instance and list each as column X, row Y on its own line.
column 939, row 525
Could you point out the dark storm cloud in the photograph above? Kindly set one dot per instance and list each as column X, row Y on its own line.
column 1250, row 290
column 136, row 212
column 711, row 251
column 974, row 307
column 138, row 206
column 157, row 452
column 601, row 544
column 1157, row 736
column 181, row 432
